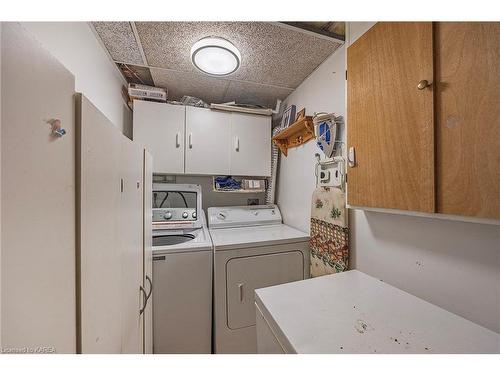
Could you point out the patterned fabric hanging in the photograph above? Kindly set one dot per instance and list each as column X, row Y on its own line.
column 329, row 239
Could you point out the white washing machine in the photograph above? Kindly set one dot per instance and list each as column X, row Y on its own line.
column 182, row 271
column 252, row 249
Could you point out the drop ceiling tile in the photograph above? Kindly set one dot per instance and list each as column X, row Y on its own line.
column 251, row 93
column 136, row 74
column 207, row 88
column 271, row 54
column 120, row 42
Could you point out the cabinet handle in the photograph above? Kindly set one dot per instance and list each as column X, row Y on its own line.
column 240, row 291
column 150, row 287
column 423, row 84
column 145, row 298
column 177, row 143
column 237, row 144
column 351, row 157
column 190, row 140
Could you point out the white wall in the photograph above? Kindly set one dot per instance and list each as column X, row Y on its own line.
column 322, row 91
column 455, row 265
column 75, row 45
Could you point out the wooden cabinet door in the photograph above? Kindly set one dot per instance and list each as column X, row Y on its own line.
column 160, row 128
column 131, row 241
column 38, row 197
column 390, row 121
column 251, row 145
column 468, row 120
column 99, row 265
column 208, row 141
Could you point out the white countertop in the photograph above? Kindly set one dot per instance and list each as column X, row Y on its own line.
column 352, row 312
column 227, row 238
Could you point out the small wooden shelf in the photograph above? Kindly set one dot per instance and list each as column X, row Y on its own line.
column 300, row 132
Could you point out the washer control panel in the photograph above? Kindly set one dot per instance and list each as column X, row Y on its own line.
column 174, row 214
column 243, row 216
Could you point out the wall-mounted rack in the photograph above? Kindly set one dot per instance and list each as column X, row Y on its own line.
column 339, row 161
column 300, row 132
column 246, row 186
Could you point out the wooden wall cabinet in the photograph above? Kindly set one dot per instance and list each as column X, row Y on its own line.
column 423, row 118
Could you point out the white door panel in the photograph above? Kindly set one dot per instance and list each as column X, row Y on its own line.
column 100, row 251
column 251, row 145
column 38, row 197
column 160, row 128
column 208, row 138
column 131, row 239
column 246, row 274
column 182, row 302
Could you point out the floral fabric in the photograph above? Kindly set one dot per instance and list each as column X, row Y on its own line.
column 329, row 239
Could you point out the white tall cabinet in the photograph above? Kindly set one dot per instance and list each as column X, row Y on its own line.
column 112, row 231
column 161, row 127
column 72, row 214
column 38, row 198
column 208, row 135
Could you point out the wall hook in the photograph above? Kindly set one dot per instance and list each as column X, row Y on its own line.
column 57, row 130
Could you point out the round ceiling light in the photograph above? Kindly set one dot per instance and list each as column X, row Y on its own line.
column 215, row 56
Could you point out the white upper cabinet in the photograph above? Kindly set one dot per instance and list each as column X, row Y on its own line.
column 160, row 128
column 201, row 141
column 251, row 145
column 208, row 136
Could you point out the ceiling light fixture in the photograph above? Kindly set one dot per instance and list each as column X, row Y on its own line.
column 215, row 56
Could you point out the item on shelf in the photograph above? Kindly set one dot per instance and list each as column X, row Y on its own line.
column 143, row 92
column 193, row 101
column 248, row 184
column 244, row 108
column 226, row 183
column 288, row 116
column 301, row 114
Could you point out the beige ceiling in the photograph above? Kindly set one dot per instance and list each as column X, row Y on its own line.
column 276, row 58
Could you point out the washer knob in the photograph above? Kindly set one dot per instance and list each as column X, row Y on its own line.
column 168, row 215
column 185, row 215
column 221, row 216
column 193, row 215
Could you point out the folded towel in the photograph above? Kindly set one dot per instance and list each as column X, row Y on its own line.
column 329, row 240
column 227, row 183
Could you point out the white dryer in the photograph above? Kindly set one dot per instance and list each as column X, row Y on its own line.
column 252, row 249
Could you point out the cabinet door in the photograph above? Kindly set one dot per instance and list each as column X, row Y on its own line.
column 148, row 250
column 390, row 121
column 246, row 274
column 131, row 241
column 99, row 266
column 160, row 128
column 251, row 145
column 38, row 197
column 468, row 125
column 208, row 141
column 182, row 307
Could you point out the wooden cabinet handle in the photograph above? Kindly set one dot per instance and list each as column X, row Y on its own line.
column 423, row 84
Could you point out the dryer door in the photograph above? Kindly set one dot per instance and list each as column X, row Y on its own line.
column 246, row 274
